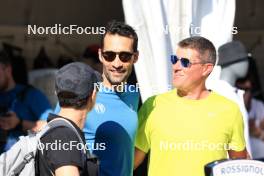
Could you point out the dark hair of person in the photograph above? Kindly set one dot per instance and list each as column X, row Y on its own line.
column 122, row 29
column 71, row 100
column 4, row 58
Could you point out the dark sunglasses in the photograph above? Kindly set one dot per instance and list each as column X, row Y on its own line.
column 110, row 56
column 184, row 61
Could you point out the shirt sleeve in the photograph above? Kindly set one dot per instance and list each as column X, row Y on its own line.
column 237, row 140
column 142, row 141
column 55, row 111
column 62, row 147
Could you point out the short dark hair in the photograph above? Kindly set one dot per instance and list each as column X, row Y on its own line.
column 69, row 99
column 4, row 58
column 122, row 29
column 202, row 45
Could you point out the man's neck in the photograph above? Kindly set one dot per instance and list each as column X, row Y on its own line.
column 77, row 116
column 194, row 94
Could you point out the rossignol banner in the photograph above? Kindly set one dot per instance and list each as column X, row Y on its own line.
column 236, row 168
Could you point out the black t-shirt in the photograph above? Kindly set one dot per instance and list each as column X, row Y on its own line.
column 61, row 147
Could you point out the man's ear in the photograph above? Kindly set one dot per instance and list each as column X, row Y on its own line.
column 208, row 69
column 91, row 100
column 136, row 57
column 100, row 55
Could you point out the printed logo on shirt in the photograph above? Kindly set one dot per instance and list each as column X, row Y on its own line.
column 131, row 107
column 99, row 108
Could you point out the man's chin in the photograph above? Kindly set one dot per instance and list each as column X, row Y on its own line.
column 117, row 81
column 177, row 86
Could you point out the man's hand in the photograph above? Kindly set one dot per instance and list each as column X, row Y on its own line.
column 9, row 122
column 253, row 129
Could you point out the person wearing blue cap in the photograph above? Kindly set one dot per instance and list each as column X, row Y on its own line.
column 61, row 151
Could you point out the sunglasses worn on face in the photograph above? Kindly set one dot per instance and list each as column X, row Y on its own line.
column 184, row 61
column 110, row 56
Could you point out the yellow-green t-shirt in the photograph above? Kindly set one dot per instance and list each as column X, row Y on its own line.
column 184, row 135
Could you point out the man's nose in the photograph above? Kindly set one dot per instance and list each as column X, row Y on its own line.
column 117, row 62
column 177, row 65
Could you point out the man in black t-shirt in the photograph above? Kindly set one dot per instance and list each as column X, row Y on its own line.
column 62, row 150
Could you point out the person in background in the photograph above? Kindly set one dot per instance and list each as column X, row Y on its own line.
column 20, row 106
column 255, row 108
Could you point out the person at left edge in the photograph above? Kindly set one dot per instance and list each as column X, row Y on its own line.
column 21, row 105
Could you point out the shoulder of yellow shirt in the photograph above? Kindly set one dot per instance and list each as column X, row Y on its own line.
column 219, row 99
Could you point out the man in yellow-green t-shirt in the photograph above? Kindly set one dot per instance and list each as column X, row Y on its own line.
column 190, row 126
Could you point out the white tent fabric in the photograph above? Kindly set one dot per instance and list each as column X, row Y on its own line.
column 215, row 19
column 152, row 20
column 160, row 24
column 152, row 66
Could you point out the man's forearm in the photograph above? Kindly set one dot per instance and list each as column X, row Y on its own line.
column 139, row 157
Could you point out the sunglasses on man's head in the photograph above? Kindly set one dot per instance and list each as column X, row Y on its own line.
column 110, row 56
column 184, row 61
